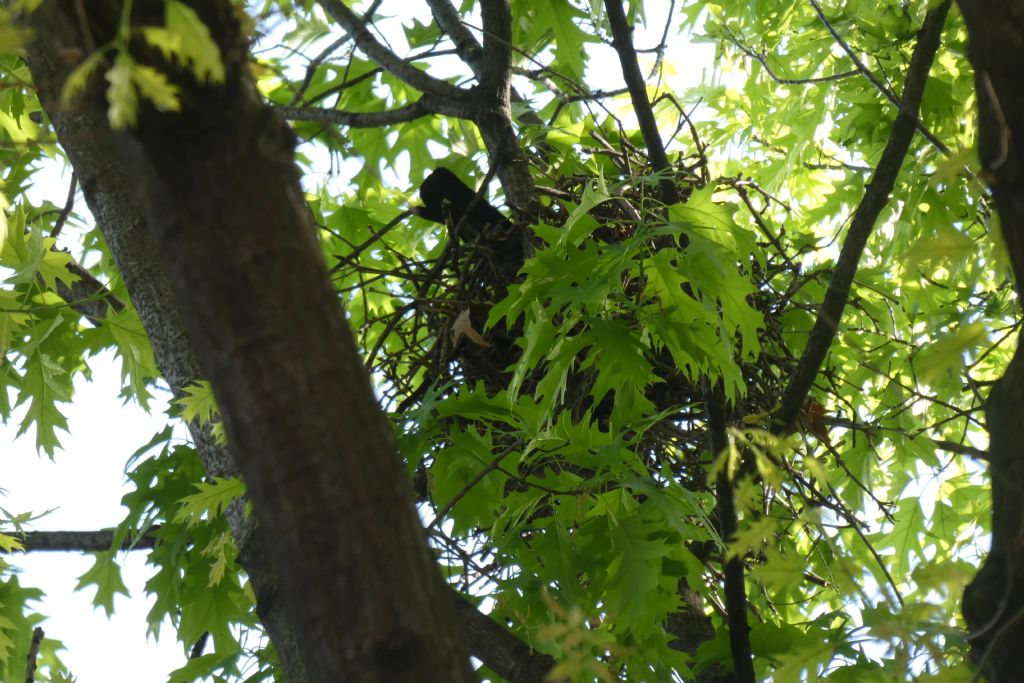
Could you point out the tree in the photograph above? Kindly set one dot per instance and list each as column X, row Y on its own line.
column 705, row 406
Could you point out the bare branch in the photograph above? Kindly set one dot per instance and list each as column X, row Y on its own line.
column 496, row 66
column 960, row 449
column 508, row 656
column 469, row 49
column 494, row 111
column 762, row 59
column 734, row 583
column 861, row 66
column 81, row 541
column 69, row 204
column 623, row 42
column 466, row 44
column 33, row 655
column 314, row 64
column 87, row 295
column 425, row 106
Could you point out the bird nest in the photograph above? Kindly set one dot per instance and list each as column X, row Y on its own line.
column 451, row 328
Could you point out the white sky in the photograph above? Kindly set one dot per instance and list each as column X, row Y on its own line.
column 84, row 486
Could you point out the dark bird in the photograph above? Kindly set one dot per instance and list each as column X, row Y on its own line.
column 446, row 200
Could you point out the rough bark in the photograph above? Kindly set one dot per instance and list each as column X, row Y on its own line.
column 217, row 184
column 89, row 144
column 510, row 658
column 96, row 541
column 994, row 601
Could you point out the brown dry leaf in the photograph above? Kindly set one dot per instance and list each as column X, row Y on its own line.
column 464, row 326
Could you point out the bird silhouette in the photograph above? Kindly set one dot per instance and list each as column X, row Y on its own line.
column 446, row 200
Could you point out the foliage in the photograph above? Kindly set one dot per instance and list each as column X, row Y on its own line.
column 183, row 39
column 559, row 442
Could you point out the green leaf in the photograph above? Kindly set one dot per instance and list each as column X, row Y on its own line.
column 155, row 87
column 7, row 642
column 197, row 47
column 221, row 549
column 620, row 357
column 636, row 570
column 579, row 225
column 106, row 576
column 752, row 537
column 123, row 104
column 779, row 571
column 138, row 364
column 213, row 609
column 948, row 245
column 198, row 403
column 79, row 78
column 904, row 535
column 714, row 220
column 210, row 500
column 53, row 266
column 202, row 667
column 945, row 357
column 951, row 576
column 559, row 16
column 9, row 544
column 44, row 385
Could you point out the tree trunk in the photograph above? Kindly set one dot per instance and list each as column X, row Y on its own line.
column 994, row 602
column 217, row 185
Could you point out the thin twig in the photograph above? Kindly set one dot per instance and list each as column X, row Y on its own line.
column 33, row 655
column 424, row 106
column 882, row 87
column 69, row 204
column 477, row 478
column 762, row 59
column 313, row 65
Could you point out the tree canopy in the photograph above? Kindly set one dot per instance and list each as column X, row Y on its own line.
column 685, row 379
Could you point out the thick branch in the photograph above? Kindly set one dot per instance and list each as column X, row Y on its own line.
column 496, row 66
column 466, row 44
column 87, row 295
column 33, row 655
column 81, row 541
column 86, row 138
column 506, row 655
column 735, row 587
column 876, row 196
column 327, row 484
column 89, row 144
column 734, row 583
column 622, row 40
column 471, row 52
column 424, row 106
column 494, row 111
